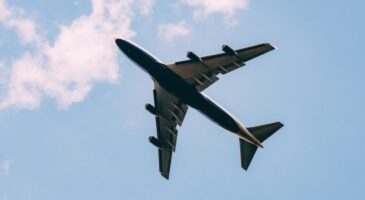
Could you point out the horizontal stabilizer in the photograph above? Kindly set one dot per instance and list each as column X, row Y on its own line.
column 262, row 132
column 265, row 131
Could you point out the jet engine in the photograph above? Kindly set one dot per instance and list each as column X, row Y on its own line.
column 155, row 142
column 193, row 56
column 228, row 50
column 150, row 108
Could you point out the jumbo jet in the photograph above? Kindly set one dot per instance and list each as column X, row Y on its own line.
column 181, row 84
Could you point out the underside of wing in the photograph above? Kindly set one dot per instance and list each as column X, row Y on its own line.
column 169, row 112
column 201, row 72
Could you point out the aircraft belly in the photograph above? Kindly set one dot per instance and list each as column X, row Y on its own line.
column 219, row 116
column 190, row 96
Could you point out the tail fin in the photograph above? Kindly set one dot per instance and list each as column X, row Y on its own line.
column 262, row 132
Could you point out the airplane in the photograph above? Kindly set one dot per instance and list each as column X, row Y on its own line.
column 181, row 84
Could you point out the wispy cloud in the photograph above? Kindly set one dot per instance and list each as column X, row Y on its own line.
column 13, row 18
column 5, row 166
column 82, row 54
column 170, row 32
column 145, row 6
column 4, row 10
column 204, row 8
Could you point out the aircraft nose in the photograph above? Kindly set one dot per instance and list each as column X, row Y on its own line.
column 122, row 44
column 119, row 42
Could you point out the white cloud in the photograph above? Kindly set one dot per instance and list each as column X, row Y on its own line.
column 204, row 8
column 82, row 54
column 171, row 31
column 2, row 73
column 25, row 27
column 145, row 6
column 4, row 10
column 5, row 166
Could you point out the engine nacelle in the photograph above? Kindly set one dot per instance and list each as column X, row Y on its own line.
column 228, row 50
column 193, row 56
column 150, row 108
column 155, row 142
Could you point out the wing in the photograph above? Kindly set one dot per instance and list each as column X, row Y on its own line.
column 170, row 112
column 202, row 72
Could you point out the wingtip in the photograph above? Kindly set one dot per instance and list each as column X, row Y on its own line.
column 279, row 125
column 165, row 176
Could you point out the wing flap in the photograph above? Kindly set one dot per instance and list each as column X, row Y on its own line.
column 173, row 109
column 202, row 81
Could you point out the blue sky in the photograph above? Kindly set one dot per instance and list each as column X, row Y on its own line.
column 72, row 118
